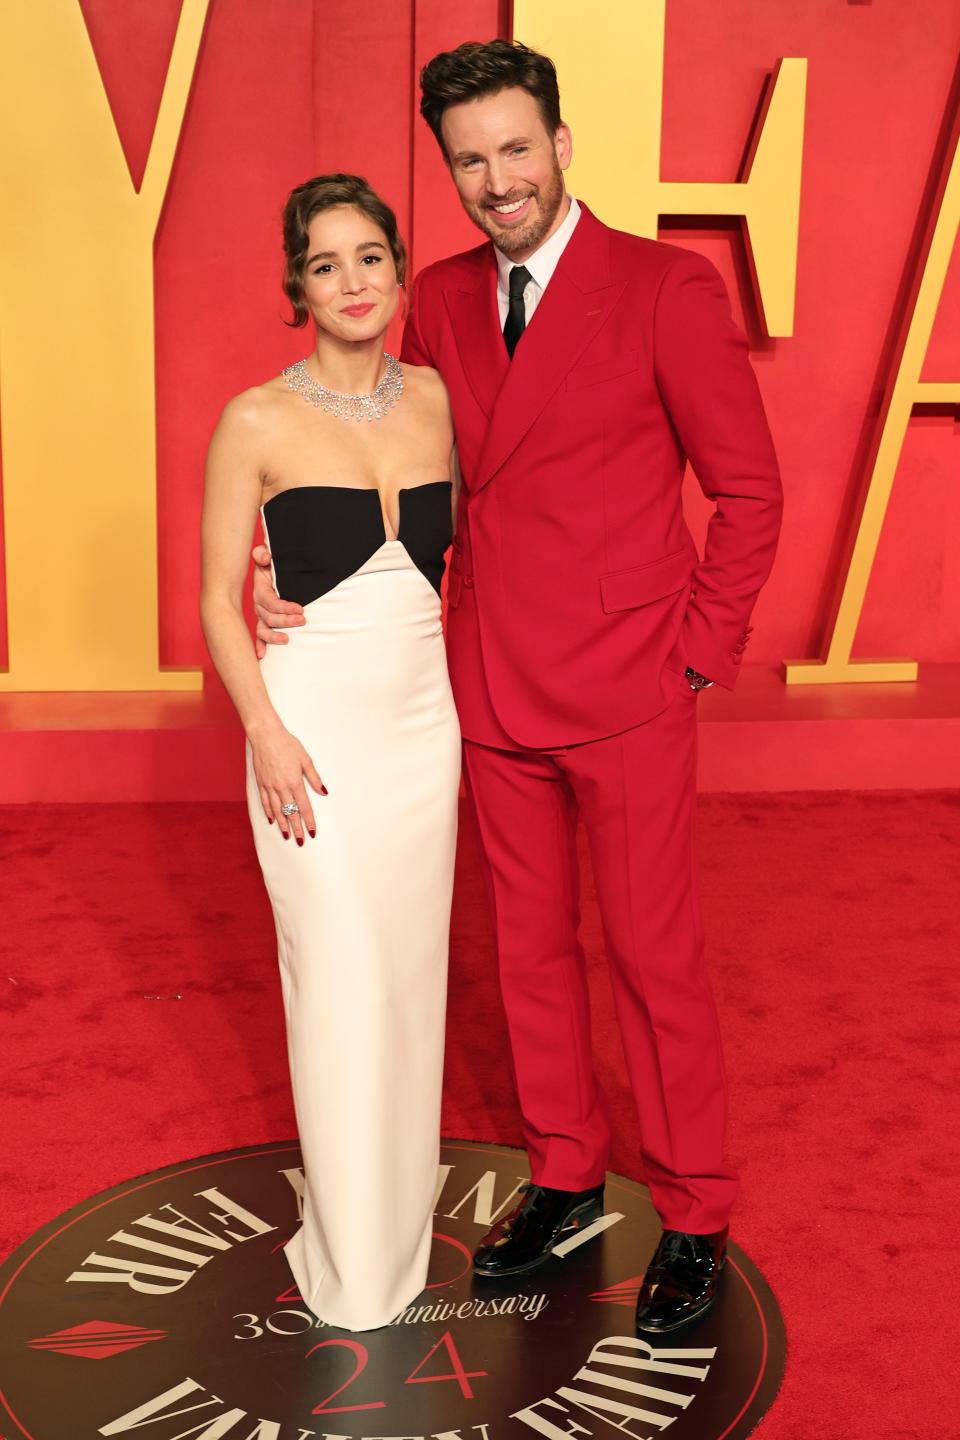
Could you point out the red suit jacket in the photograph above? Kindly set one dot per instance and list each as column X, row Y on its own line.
column 576, row 597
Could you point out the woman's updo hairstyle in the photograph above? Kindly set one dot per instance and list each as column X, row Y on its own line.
column 324, row 192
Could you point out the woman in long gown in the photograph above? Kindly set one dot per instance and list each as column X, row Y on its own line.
column 353, row 748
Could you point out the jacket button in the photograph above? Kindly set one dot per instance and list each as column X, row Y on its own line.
column 468, row 581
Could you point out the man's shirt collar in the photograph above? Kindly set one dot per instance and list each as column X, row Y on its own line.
column 544, row 261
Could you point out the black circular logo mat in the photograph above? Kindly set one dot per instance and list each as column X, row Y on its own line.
column 163, row 1309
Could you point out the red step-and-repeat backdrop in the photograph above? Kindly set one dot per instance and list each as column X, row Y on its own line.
column 284, row 89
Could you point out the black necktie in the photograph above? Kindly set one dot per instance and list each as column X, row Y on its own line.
column 520, row 278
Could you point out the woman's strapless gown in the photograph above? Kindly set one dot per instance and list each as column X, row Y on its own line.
column 362, row 912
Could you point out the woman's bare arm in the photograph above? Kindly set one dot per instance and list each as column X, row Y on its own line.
column 231, row 502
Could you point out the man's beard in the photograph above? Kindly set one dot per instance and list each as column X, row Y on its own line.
column 528, row 236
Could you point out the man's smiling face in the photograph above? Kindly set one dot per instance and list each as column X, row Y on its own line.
column 508, row 168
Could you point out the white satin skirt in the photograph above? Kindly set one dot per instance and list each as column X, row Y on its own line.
column 362, row 915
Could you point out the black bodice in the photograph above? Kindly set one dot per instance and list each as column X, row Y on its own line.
column 320, row 535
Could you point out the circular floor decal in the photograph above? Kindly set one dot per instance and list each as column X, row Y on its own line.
column 164, row 1309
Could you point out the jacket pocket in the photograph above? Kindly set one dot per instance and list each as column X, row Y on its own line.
column 627, row 589
column 612, row 369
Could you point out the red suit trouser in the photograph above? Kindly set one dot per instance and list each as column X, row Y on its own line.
column 635, row 793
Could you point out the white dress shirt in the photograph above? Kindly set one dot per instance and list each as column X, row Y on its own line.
column 541, row 266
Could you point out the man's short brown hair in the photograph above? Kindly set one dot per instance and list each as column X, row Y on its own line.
column 479, row 68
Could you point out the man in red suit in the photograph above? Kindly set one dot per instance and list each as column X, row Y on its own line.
column 585, row 366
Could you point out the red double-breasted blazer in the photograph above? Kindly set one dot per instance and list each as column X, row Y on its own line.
column 576, row 596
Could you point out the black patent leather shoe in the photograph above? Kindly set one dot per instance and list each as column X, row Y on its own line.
column 525, row 1238
column 681, row 1280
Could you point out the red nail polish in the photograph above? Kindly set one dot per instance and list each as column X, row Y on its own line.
column 269, row 819
column 323, row 790
column 313, row 834
column 285, row 834
column 299, row 839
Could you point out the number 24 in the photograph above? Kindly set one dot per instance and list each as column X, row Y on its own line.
column 361, row 1357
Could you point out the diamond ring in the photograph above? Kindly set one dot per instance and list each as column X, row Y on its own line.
column 291, row 808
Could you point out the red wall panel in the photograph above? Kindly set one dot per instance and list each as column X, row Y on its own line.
column 248, row 137
column 132, row 43
column 879, row 82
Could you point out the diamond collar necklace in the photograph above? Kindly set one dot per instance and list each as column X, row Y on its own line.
column 348, row 407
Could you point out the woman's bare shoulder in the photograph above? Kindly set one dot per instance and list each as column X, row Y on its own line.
column 425, row 379
column 426, row 385
column 255, row 409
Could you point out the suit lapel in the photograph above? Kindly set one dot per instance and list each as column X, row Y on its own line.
column 574, row 307
column 475, row 320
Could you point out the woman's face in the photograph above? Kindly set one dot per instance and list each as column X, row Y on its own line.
column 349, row 279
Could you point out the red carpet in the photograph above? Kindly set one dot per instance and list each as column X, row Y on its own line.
column 834, row 933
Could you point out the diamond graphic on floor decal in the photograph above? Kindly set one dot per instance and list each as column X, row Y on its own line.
column 96, row 1339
